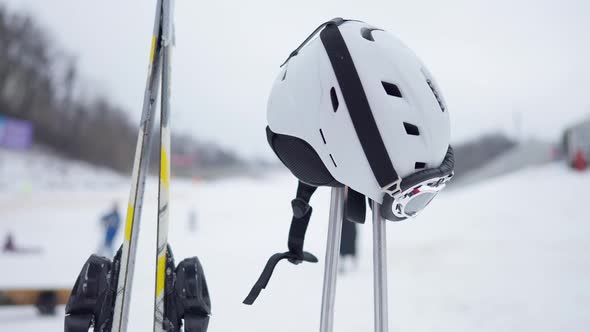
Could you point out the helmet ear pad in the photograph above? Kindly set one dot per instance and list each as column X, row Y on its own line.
column 301, row 159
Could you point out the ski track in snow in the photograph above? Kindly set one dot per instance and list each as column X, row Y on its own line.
column 511, row 254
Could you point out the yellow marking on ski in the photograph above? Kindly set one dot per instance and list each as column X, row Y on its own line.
column 161, row 274
column 153, row 49
column 129, row 222
column 164, row 169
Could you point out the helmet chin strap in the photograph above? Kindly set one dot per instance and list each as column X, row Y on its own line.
column 301, row 215
column 354, row 211
column 355, row 207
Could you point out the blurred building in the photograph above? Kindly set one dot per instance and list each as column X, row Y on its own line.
column 576, row 144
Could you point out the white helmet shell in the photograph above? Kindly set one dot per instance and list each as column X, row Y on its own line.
column 410, row 113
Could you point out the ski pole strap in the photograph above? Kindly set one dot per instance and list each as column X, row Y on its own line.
column 301, row 215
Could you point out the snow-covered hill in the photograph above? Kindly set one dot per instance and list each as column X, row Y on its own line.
column 510, row 254
column 38, row 169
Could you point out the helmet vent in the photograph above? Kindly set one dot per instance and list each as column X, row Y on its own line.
column 334, row 98
column 419, row 165
column 284, row 75
column 411, row 129
column 333, row 162
column 323, row 138
column 391, row 89
column 367, row 33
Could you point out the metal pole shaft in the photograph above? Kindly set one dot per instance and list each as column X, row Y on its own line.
column 379, row 270
column 332, row 255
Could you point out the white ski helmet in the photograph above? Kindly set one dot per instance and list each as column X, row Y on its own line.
column 356, row 107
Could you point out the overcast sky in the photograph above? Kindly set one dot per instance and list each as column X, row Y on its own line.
column 493, row 59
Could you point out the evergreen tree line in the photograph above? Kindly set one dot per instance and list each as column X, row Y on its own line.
column 40, row 83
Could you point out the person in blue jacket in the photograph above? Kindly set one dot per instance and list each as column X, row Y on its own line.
column 111, row 223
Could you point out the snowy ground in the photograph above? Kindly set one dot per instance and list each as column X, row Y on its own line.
column 507, row 255
column 40, row 170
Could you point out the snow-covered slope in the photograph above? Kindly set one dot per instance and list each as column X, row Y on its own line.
column 38, row 169
column 530, row 153
column 510, row 254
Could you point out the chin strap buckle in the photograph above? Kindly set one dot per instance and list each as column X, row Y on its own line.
column 300, row 207
column 392, row 188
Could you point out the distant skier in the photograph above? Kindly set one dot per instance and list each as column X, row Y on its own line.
column 111, row 223
column 348, row 246
column 9, row 243
column 192, row 220
column 11, row 247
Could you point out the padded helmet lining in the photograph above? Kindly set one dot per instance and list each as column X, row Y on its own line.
column 301, row 159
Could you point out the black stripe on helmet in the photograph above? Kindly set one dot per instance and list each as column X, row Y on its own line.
column 358, row 105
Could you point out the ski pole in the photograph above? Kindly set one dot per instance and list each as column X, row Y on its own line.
column 332, row 255
column 379, row 270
